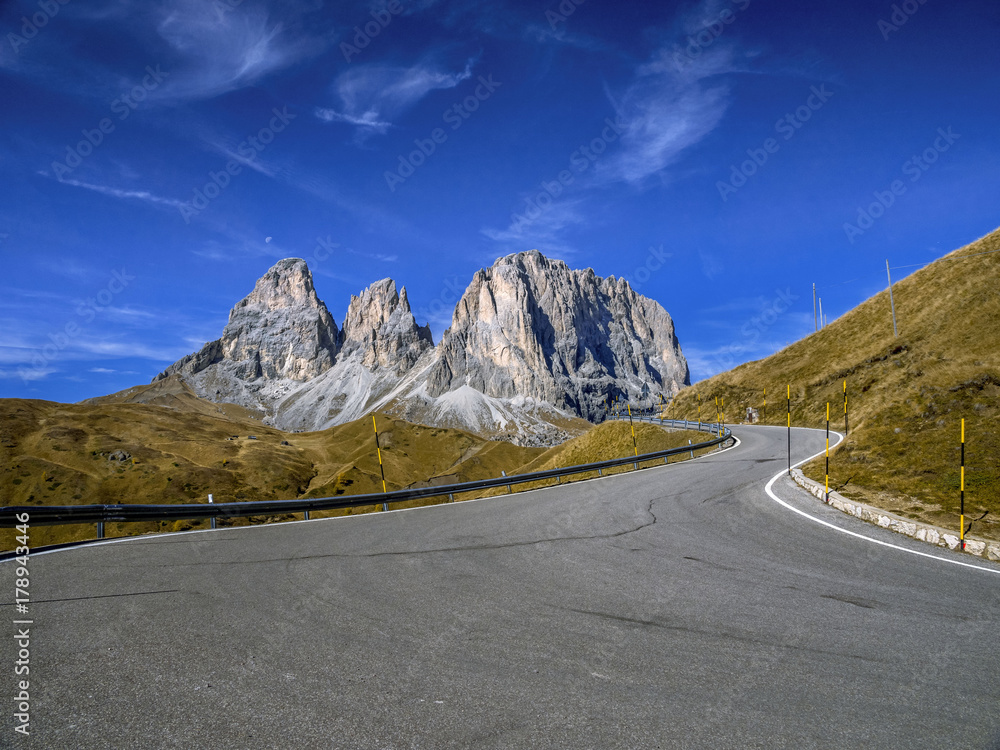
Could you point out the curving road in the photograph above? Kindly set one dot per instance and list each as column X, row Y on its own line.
column 676, row 607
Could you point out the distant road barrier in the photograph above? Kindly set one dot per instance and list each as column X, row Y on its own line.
column 101, row 514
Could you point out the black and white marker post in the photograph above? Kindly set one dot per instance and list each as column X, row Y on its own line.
column 789, row 401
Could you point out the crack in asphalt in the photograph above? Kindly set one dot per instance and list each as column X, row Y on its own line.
column 98, row 596
column 710, row 633
column 710, row 563
column 849, row 600
column 463, row 548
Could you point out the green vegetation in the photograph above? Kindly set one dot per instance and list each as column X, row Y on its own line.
column 907, row 395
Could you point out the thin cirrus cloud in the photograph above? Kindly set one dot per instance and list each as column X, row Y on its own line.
column 543, row 230
column 141, row 195
column 220, row 49
column 674, row 100
column 372, row 96
column 669, row 107
column 202, row 49
column 663, row 111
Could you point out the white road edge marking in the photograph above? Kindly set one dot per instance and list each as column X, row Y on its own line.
column 820, row 521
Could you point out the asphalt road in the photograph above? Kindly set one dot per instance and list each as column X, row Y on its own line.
column 676, row 607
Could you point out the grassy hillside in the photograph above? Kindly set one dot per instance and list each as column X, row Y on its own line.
column 907, row 395
column 117, row 452
column 66, row 454
column 605, row 441
column 174, row 393
column 611, row 440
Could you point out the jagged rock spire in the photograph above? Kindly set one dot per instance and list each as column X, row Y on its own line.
column 280, row 330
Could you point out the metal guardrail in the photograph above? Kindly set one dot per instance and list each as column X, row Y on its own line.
column 101, row 514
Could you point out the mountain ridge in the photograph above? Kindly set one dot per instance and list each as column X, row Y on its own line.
column 533, row 346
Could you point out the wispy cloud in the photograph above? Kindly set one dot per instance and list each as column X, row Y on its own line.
column 373, row 96
column 545, row 33
column 666, row 107
column 205, row 48
column 27, row 374
column 711, row 266
column 220, row 49
column 122, row 348
column 368, row 120
column 384, row 257
column 67, row 267
column 140, row 195
column 666, row 110
column 543, row 231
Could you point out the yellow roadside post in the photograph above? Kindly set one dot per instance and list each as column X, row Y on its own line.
column 789, row 403
column 635, row 446
column 845, row 409
column 961, row 509
column 827, row 451
column 378, row 448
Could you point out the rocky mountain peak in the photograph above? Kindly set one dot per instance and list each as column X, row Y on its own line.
column 529, row 261
column 280, row 331
column 531, row 326
column 287, row 284
column 530, row 337
column 282, row 325
column 380, row 329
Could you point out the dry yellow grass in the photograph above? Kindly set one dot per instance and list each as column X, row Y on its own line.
column 612, row 440
column 179, row 452
column 60, row 454
column 907, row 395
column 601, row 443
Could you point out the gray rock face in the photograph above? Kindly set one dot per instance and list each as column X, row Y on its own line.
column 379, row 345
column 380, row 330
column 282, row 326
column 532, row 342
column 533, row 327
column 281, row 331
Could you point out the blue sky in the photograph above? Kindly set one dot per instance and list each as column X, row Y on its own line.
column 157, row 157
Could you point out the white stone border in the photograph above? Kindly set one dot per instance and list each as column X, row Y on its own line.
column 922, row 531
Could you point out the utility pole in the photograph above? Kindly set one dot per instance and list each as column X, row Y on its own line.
column 820, row 309
column 815, row 319
column 895, row 331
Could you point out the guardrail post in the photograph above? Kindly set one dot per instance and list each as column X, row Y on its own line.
column 100, row 529
column 600, row 473
column 504, row 473
column 451, row 498
column 307, row 515
column 692, row 450
column 213, row 517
